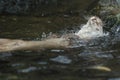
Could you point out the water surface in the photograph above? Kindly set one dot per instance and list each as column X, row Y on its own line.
column 72, row 64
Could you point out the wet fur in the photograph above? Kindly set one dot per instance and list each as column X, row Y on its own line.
column 92, row 29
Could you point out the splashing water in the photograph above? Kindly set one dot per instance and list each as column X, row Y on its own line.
column 44, row 36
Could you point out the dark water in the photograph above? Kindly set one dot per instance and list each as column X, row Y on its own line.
column 44, row 7
column 71, row 64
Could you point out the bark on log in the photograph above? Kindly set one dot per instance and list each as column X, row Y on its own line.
column 17, row 45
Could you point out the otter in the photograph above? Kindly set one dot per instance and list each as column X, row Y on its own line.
column 92, row 29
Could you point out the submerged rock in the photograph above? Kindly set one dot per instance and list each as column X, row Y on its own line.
column 61, row 59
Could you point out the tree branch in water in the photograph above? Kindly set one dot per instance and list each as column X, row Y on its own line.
column 18, row 45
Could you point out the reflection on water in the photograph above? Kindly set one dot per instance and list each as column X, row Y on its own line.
column 32, row 27
column 61, row 59
column 114, row 79
column 76, row 63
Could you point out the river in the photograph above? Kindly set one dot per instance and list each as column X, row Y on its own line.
column 97, row 60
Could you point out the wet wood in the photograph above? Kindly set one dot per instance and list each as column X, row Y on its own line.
column 17, row 45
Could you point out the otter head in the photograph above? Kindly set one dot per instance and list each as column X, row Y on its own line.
column 93, row 28
column 95, row 22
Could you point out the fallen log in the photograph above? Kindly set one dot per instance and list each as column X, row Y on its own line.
column 7, row 45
